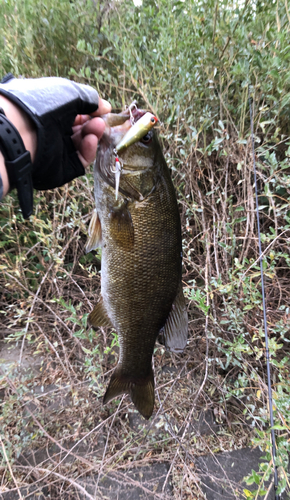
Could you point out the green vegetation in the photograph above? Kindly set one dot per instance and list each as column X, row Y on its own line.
column 194, row 64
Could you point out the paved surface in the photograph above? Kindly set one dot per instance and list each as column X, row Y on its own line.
column 222, row 474
column 152, row 484
column 10, row 357
column 204, row 424
column 29, row 493
column 122, row 486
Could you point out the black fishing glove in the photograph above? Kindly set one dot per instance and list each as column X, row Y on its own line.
column 52, row 104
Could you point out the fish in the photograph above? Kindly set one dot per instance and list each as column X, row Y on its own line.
column 141, row 264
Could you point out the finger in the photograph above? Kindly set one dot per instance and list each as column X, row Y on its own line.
column 91, row 126
column 94, row 126
column 88, row 149
column 76, row 128
column 86, row 140
column 81, row 119
column 104, row 108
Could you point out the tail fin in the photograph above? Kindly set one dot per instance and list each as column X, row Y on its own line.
column 141, row 391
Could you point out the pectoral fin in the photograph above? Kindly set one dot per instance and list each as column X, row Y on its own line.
column 176, row 326
column 99, row 316
column 141, row 390
column 95, row 233
column 121, row 227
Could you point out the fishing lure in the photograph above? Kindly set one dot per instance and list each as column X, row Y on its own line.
column 130, row 108
column 117, row 171
column 137, row 131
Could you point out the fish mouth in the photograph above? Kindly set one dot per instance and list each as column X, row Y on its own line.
column 118, row 124
column 132, row 112
column 109, row 164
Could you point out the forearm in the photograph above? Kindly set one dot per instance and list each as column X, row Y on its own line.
column 25, row 128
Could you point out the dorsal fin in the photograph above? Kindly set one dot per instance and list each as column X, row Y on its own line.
column 175, row 330
column 95, row 233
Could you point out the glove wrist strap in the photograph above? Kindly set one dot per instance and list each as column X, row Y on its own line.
column 18, row 164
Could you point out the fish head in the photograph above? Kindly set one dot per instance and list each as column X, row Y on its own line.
column 140, row 155
column 123, row 142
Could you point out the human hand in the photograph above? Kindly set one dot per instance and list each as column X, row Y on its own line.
column 54, row 106
column 87, row 131
column 59, row 123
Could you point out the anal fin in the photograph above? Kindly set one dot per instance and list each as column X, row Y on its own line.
column 95, row 233
column 99, row 317
column 175, row 330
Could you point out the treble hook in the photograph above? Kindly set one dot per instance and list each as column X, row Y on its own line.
column 133, row 105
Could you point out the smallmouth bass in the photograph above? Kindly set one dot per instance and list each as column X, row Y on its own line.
column 140, row 236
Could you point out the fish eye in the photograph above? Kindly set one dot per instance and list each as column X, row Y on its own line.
column 147, row 138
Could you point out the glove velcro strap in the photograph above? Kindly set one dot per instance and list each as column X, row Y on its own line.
column 18, row 164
